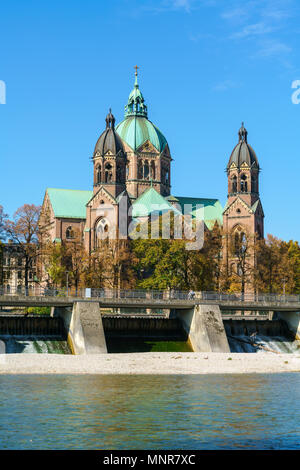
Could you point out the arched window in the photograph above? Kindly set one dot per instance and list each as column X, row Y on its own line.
column 69, row 233
column 146, row 170
column 101, row 231
column 108, row 173
column 239, row 242
column 140, row 170
column 98, row 174
column 234, row 184
column 254, row 184
column 8, row 289
column 167, row 177
column 153, row 170
column 244, row 184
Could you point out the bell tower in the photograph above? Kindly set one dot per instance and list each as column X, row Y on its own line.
column 109, row 160
column 243, row 216
column 243, row 205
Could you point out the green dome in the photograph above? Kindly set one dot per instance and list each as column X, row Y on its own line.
column 135, row 130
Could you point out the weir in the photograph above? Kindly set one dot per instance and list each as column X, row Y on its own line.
column 261, row 336
column 33, row 334
column 200, row 327
column 32, row 325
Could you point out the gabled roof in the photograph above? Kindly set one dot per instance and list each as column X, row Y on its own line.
column 69, row 203
column 151, row 201
column 211, row 207
column 108, row 194
column 252, row 209
column 255, row 206
column 236, row 200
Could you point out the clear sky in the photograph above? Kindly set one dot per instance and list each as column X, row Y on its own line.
column 205, row 66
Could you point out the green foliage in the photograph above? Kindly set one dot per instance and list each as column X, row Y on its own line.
column 39, row 310
column 278, row 266
column 164, row 264
column 55, row 265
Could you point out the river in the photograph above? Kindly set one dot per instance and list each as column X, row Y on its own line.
column 258, row 411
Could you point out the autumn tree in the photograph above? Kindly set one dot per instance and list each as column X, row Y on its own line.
column 53, row 262
column 73, row 259
column 23, row 230
column 114, row 261
column 294, row 258
column 168, row 263
column 275, row 273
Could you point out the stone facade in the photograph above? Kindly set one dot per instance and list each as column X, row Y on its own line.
column 12, row 272
column 243, row 216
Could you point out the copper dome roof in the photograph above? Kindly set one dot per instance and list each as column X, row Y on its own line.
column 243, row 152
column 109, row 140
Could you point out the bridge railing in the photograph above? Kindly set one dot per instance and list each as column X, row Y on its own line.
column 148, row 295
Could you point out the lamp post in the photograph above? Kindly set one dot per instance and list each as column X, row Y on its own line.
column 284, row 281
column 67, row 283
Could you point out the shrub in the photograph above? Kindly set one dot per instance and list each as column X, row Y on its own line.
column 39, row 310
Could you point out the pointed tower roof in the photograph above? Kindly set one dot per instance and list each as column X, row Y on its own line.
column 136, row 128
column 243, row 152
column 109, row 139
column 136, row 103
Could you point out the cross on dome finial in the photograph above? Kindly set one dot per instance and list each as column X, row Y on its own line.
column 136, row 103
column 110, row 120
column 243, row 133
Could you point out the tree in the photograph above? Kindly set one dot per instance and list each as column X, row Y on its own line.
column 116, row 259
column 73, row 260
column 294, row 257
column 167, row 263
column 274, row 273
column 53, row 261
column 3, row 218
column 23, row 229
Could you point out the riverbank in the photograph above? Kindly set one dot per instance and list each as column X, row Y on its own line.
column 149, row 363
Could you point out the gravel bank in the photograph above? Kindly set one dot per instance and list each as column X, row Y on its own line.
column 149, row 363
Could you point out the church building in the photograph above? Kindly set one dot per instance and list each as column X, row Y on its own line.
column 132, row 163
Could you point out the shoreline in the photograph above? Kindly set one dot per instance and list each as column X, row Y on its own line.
column 167, row 363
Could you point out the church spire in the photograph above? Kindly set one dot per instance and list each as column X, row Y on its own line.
column 136, row 103
column 243, row 134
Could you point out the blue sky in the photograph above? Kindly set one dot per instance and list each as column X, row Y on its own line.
column 205, row 66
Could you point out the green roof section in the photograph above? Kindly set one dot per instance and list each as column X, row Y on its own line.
column 136, row 103
column 213, row 211
column 69, row 203
column 151, row 201
column 136, row 130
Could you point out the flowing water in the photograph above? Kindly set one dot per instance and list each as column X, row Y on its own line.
column 263, row 336
column 263, row 344
column 38, row 344
column 256, row 411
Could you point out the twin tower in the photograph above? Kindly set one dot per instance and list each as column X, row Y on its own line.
column 134, row 156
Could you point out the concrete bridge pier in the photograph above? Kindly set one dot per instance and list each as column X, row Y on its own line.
column 83, row 324
column 205, row 328
column 292, row 319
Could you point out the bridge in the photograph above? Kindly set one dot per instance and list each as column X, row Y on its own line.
column 200, row 314
column 141, row 299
